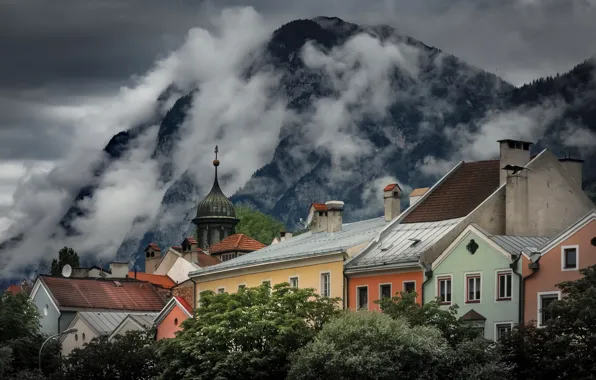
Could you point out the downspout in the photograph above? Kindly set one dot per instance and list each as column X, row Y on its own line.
column 428, row 273
column 534, row 266
column 347, row 288
column 520, row 305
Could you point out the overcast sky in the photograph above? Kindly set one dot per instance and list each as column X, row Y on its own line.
column 61, row 57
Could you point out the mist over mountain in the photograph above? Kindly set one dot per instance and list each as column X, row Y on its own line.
column 362, row 106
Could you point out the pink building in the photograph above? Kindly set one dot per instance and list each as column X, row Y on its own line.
column 176, row 311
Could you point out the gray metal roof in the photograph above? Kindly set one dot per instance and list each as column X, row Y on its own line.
column 305, row 245
column 398, row 243
column 104, row 322
column 145, row 320
column 515, row 244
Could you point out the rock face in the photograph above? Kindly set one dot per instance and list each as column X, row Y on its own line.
column 448, row 98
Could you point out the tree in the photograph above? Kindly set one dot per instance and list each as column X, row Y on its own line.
column 20, row 338
column 246, row 335
column 129, row 356
column 453, row 328
column 370, row 345
column 255, row 224
column 65, row 256
column 565, row 348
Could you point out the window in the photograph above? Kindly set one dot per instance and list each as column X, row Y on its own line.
column 326, row 284
column 502, row 329
column 569, row 258
column 76, row 337
column 46, row 309
column 409, row 286
column 241, row 286
column 385, row 291
column 175, row 321
column 444, row 289
column 220, row 290
column 294, row 282
column 503, row 286
column 228, row 256
column 544, row 300
column 472, row 288
column 83, row 336
column 362, row 297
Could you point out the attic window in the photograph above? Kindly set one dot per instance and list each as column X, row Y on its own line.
column 593, row 241
column 472, row 246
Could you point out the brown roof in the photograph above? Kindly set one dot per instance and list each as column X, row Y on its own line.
column 236, row 243
column 177, row 247
column 205, row 260
column 319, row 206
column 156, row 279
column 85, row 293
column 190, row 240
column 419, row 191
column 14, row 289
column 391, row 186
column 473, row 315
column 458, row 194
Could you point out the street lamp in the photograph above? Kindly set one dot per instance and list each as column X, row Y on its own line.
column 65, row 332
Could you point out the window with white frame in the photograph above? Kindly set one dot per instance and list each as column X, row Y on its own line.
column 326, row 284
column 294, row 282
column 220, row 290
column 502, row 329
column 504, row 286
column 241, row 286
column 569, row 259
column 444, row 289
column 362, row 297
column 385, row 291
column 409, row 286
column 473, row 287
column 544, row 300
column 228, row 256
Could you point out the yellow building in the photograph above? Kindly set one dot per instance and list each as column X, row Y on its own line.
column 314, row 259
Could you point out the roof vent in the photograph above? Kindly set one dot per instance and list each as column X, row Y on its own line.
column 414, row 241
column 117, row 283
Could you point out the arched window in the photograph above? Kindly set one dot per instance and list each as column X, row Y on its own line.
column 175, row 321
column 83, row 336
column 76, row 337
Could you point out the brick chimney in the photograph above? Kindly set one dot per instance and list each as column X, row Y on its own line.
column 574, row 167
column 391, row 199
column 513, row 153
column 334, row 218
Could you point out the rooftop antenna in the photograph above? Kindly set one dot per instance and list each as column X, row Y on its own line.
column 66, row 271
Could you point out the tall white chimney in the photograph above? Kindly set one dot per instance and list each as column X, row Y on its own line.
column 334, row 218
column 391, row 200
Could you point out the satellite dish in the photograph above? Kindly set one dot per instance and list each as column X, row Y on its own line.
column 66, row 270
column 309, row 218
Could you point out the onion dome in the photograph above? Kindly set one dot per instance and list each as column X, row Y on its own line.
column 216, row 205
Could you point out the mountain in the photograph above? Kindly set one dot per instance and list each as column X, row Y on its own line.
column 447, row 97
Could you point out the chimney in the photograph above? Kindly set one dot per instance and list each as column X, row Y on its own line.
column 513, row 153
column 288, row 235
column 334, row 218
column 317, row 217
column 282, row 236
column 119, row 269
column 416, row 194
column 574, row 167
column 391, row 199
column 152, row 258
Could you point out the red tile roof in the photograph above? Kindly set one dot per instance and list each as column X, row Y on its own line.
column 154, row 246
column 205, row 260
column 84, row 293
column 459, row 194
column 184, row 304
column 319, row 206
column 236, row 243
column 391, row 186
column 14, row 289
column 177, row 247
column 156, row 279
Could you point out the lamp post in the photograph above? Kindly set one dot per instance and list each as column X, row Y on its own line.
column 65, row 332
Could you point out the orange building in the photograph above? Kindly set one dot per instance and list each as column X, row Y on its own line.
column 176, row 311
column 376, row 286
column 557, row 261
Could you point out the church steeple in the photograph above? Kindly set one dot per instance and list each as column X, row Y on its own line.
column 216, row 217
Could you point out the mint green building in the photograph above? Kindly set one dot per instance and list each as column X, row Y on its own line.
column 480, row 274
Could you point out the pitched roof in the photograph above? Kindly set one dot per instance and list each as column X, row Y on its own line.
column 319, row 206
column 205, row 260
column 308, row 244
column 236, row 243
column 473, row 315
column 419, row 191
column 460, row 193
column 173, row 302
column 154, row 246
column 14, row 289
column 156, row 279
column 403, row 243
column 516, row 244
column 106, row 294
column 105, row 322
column 391, row 186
